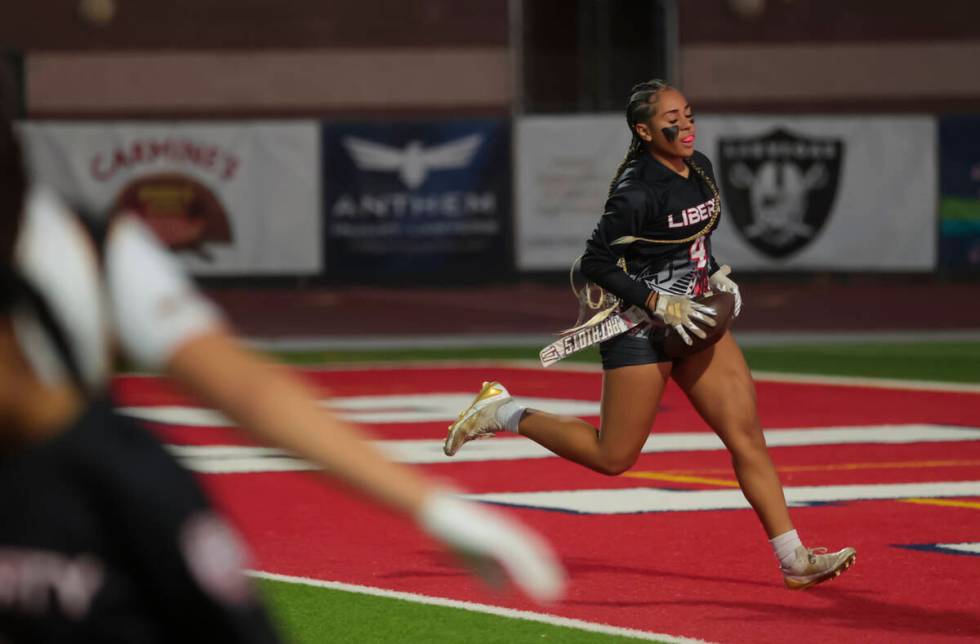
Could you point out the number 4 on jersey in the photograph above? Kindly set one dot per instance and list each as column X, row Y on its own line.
column 699, row 254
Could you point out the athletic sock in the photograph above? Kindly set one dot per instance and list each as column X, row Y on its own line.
column 785, row 545
column 509, row 415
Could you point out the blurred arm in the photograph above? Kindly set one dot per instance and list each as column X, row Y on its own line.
column 275, row 407
column 164, row 323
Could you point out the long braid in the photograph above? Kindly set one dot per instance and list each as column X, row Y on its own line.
column 633, row 152
column 639, row 109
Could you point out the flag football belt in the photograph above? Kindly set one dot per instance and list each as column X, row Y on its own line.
column 583, row 337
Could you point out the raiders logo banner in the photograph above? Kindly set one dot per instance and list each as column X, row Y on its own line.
column 824, row 193
column 780, row 188
column 228, row 198
column 799, row 193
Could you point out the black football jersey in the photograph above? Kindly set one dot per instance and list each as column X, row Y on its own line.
column 643, row 242
column 105, row 538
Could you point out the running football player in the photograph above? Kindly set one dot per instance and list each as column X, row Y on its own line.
column 652, row 249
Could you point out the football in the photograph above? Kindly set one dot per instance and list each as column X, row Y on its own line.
column 724, row 306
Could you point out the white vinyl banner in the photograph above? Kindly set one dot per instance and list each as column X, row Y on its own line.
column 564, row 166
column 229, row 198
column 798, row 193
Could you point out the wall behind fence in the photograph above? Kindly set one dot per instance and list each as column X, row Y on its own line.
column 202, row 58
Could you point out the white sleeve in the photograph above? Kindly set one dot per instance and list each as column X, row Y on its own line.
column 55, row 254
column 155, row 306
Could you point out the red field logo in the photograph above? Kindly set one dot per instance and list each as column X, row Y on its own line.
column 182, row 212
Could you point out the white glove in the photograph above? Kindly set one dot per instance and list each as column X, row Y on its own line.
column 680, row 312
column 721, row 282
column 491, row 543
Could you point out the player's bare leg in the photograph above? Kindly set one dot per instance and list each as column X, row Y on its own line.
column 719, row 385
column 630, row 397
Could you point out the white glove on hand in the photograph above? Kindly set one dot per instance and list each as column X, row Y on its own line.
column 721, row 282
column 491, row 543
column 680, row 312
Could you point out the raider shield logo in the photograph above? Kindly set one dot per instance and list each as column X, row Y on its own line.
column 780, row 188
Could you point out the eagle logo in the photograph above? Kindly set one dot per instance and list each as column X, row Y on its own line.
column 414, row 162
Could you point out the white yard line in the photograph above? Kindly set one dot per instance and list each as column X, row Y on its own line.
column 644, row 500
column 231, row 459
column 404, row 408
column 543, row 618
column 969, row 548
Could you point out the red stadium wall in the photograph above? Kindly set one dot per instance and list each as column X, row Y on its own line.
column 830, row 55
column 215, row 58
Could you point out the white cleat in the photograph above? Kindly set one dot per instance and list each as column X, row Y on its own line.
column 479, row 420
column 813, row 566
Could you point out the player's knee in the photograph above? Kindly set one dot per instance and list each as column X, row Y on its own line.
column 615, row 464
column 746, row 438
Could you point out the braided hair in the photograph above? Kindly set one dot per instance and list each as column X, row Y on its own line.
column 639, row 109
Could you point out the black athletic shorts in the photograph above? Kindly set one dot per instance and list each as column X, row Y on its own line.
column 641, row 345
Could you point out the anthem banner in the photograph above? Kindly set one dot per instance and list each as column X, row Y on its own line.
column 417, row 200
column 842, row 193
column 231, row 199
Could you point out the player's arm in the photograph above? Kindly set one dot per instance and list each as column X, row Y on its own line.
column 622, row 218
column 163, row 322
column 275, row 407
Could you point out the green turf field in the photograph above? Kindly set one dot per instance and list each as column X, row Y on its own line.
column 941, row 361
column 309, row 614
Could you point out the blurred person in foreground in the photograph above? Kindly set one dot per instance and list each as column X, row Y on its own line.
column 651, row 250
column 103, row 536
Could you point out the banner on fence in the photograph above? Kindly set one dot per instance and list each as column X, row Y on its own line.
column 798, row 193
column 229, row 198
column 417, row 199
column 959, row 187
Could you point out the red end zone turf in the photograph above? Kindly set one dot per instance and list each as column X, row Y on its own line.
column 707, row 574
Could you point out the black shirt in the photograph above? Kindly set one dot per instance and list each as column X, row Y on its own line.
column 105, row 538
column 652, row 202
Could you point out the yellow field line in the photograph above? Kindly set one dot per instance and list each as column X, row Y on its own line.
column 944, row 502
column 688, row 476
column 843, row 467
column 679, row 478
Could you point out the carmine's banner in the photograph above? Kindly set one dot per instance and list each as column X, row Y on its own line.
column 417, row 200
column 229, row 198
